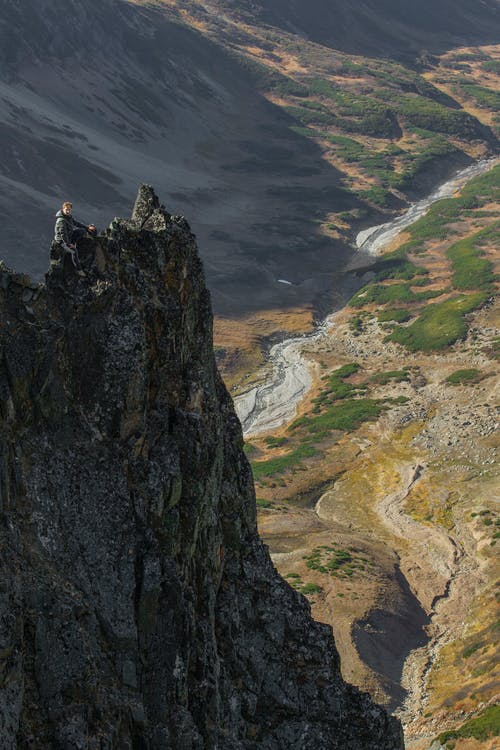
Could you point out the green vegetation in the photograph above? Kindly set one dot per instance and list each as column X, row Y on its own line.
column 396, row 314
column 491, row 66
column 356, row 323
column 486, row 725
column 397, row 266
column 434, row 225
column 298, row 584
column 282, row 463
column 348, row 416
column 382, row 378
column 472, row 649
column 377, row 194
column 438, row 325
column 464, row 377
column 275, row 442
column 336, row 561
column 382, row 294
column 484, row 97
column 261, row 503
column 470, row 270
column 417, row 162
column 249, row 448
column 311, row 588
column 312, row 116
column 430, row 115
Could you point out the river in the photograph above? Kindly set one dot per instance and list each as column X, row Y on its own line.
column 274, row 402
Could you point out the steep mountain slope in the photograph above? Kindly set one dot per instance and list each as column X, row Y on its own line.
column 224, row 117
column 139, row 608
column 400, row 28
column 95, row 98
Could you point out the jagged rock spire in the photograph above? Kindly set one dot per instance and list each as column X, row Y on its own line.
column 146, row 202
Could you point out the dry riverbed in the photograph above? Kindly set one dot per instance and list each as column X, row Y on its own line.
column 406, row 497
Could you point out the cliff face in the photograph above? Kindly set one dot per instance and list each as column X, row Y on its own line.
column 138, row 607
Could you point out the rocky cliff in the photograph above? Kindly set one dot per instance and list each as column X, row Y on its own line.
column 138, row 607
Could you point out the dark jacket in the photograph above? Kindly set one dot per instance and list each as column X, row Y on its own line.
column 65, row 226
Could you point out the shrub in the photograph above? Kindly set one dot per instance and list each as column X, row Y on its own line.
column 396, row 314
column 486, row 725
column 470, row 270
column 311, row 588
column 275, row 442
column 262, row 503
column 485, row 97
column 382, row 294
column 282, row 463
column 439, row 325
column 382, row 378
column 428, row 114
column 348, row 416
column 462, row 377
column 492, row 66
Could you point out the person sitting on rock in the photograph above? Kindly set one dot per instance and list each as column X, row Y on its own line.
column 68, row 231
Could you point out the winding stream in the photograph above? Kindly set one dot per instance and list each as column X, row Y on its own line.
column 274, row 402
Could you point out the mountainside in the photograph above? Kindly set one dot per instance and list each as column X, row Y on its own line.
column 97, row 98
column 278, row 146
column 378, row 499
column 400, row 28
column 139, row 608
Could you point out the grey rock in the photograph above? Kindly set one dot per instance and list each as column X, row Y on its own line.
column 138, row 606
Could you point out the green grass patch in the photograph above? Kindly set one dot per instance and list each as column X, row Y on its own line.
column 261, row 503
column 382, row 378
column 467, row 652
column 492, row 66
column 393, row 266
column 484, row 726
column 424, row 113
column 282, row 463
column 470, row 270
column 395, row 314
column 275, row 442
column 484, row 97
column 382, row 294
column 335, row 561
column 464, row 377
column 356, row 322
column 307, row 132
column 439, row 325
column 378, row 195
column 346, row 416
column 312, row 116
column 311, row 588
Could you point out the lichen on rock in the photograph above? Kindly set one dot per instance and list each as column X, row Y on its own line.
column 138, row 606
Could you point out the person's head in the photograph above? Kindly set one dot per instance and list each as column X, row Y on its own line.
column 66, row 208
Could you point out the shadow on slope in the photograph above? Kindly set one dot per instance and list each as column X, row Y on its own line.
column 387, row 635
column 95, row 99
column 399, row 28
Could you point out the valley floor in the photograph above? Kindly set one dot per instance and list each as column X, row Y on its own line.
column 378, row 501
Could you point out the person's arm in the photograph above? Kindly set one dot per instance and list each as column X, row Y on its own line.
column 88, row 227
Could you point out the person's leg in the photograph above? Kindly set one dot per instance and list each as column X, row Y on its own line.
column 76, row 235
